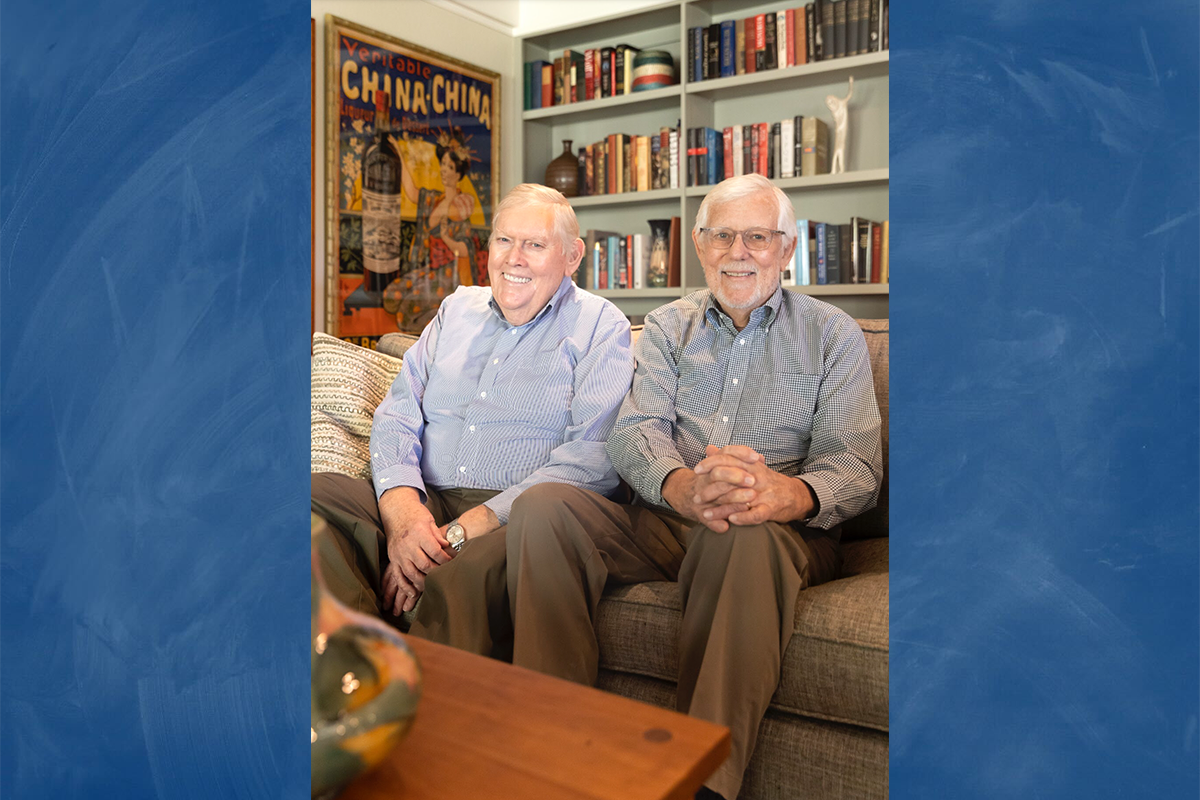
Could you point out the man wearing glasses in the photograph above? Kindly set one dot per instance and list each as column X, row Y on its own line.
column 750, row 434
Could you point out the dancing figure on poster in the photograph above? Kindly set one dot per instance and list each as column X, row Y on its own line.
column 444, row 248
column 838, row 106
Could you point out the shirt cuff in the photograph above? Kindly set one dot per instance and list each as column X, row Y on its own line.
column 501, row 505
column 398, row 475
column 654, row 476
column 820, row 487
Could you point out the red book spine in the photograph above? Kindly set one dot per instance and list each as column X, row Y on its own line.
column 727, row 135
column 613, row 162
column 876, row 252
column 801, row 41
column 791, row 37
column 547, row 86
column 751, row 37
column 628, row 279
column 764, row 147
column 760, row 32
column 589, row 74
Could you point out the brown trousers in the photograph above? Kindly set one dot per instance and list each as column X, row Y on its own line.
column 354, row 557
column 563, row 545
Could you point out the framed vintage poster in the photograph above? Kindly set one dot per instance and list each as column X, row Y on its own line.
column 409, row 208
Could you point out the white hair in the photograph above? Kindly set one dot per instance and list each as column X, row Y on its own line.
column 742, row 186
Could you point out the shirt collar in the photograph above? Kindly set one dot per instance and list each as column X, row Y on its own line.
column 764, row 314
column 567, row 286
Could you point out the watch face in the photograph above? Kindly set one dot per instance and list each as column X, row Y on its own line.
column 455, row 534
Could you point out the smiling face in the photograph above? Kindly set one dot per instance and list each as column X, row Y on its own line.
column 526, row 262
column 743, row 279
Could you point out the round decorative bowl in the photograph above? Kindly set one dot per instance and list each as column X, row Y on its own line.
column 653, row 69
column 366, row 684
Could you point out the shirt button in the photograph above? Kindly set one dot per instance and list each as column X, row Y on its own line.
column 495, row 361
column 462, row 469
column 735, row 381
column 514, row 331
column 483, row 394
column 472, row 429
column 383, row 480
column 741, row 341
column 724, row 419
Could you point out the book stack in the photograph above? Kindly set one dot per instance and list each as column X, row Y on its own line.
column 580, row 75
column 623, row 163
column 817, row 31
column 791, row 148
column 828, row 253
column 620, row 261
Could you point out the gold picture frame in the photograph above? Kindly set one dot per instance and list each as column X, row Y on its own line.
column 446, row 123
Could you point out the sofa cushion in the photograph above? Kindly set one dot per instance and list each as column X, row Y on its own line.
column 396, row 344
column 348, row 382
column 875, row 521
column 835, row 667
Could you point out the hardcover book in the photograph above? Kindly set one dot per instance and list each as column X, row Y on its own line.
column 814, row 136
column 728, row 49
column 771, row 51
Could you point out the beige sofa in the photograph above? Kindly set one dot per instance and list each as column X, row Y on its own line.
column 825, row 736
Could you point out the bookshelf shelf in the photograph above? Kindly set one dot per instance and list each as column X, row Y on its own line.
column 764, row 96
column 820, row 73
column 625, row 198
column 863, row 177
column 602, row 105
column 618, row 294
column 843, row 289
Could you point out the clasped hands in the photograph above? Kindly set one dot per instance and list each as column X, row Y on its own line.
column 733, row 485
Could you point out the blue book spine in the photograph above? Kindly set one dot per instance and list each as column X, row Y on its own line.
column 821, row 277
column 698, row 52
column 712, row 141
column 728, row 48
column 596, row 267
column 614, row 245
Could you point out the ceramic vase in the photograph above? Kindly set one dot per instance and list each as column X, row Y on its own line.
column 563, row 172
column 656, row 274
column 365, row 686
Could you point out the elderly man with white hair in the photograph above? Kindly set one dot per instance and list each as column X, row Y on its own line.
column 509, row 386
column 750, row 434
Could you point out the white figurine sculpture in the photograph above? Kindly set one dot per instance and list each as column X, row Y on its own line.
column 838, row 106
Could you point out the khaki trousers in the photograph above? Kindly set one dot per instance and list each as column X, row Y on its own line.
column 563, row 545
column 354, row 557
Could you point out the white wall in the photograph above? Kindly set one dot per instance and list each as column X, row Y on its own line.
column 484, row 43
column 541, row 15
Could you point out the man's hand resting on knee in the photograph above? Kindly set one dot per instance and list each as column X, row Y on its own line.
column 415, row 545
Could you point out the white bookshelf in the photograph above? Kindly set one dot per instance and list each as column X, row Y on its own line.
column 758, row 97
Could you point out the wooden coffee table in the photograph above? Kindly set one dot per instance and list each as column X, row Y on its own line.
column 486, row 729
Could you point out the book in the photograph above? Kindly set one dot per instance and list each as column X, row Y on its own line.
column 760, row 42
column 712, row 52
column 770, row 49
column 739, row 56
column 622, row 264
column 674, row 174
column 673, row 254
column 876, row 252
column 527, row 102
column 630, row 55
column 628, row 176
column 619, row 70
column 873, row 27
column 735, row 154
column 787, row 148
column 839, row 28
column 589, row 182
column 693, row 152
column 547, row 84
column 883, row 25
column 644, row 163
column 748, row 153
column 755, row 146
column 797, row 146
column 639, row 261
column 750, row 24
column 595, row 257
column 613, row 255
column 727, row 152
column 764, row 149
column 606, row 81
column 589, row 74
column 774, row 150
column 713, row 151
column 810, row 32
column 699, row 56
column 783, row 42
column 656, row 172
column 864, row 25
column 801, row 27
column 833, row 253
column 852, row 22
column 822, row 247
column 560, row 81
column 578, row 75
column 884, row 267
column 814, row 158
column 844, row 237
column 728, row 49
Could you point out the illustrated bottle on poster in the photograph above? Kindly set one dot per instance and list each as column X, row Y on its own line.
column 381, row 203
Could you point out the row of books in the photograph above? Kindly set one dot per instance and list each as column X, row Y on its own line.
column 623, row 261
column 828, row 253
column 817, row 31
column 623, row 163
column 581, row 75
column 790, row 148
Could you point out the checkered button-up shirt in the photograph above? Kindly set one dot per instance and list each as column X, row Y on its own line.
column 483, row 404
column 794, row 385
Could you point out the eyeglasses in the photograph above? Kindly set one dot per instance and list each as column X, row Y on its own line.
column 753, row 238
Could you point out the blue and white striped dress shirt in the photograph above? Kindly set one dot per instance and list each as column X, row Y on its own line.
column 483, row 404
column 795, row 385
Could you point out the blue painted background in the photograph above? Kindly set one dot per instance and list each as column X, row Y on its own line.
column 154, row 280
column 1044, row 400
column 154, row 223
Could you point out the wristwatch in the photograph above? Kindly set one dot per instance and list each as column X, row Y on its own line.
column 456, row 535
